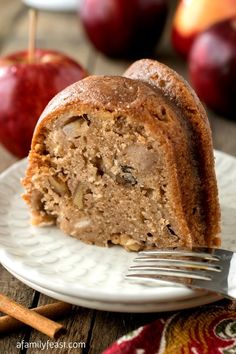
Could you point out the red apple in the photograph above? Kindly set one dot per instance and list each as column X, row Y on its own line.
column 194, row 16
column 26, row 88
column 212, row 67
column 124, row 28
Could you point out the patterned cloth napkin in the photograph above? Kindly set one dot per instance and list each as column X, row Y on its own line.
column 209, row 329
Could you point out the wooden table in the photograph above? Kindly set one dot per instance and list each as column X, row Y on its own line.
column 62, row 31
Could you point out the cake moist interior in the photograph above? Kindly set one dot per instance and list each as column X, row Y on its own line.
column 104, row 182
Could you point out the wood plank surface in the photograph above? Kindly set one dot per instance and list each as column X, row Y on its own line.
column 78, row 325
column 112, row 325
column 24, row 295
column 63, row 31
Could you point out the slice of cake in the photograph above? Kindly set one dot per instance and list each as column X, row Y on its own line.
column 117, row 160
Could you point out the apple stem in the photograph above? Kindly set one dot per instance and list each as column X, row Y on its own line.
column 33, row 14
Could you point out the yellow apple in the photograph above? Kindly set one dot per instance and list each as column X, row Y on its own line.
column 194, row 16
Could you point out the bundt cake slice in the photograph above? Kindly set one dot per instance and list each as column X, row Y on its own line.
column 114, row 161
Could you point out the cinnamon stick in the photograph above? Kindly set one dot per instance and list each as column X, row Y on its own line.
column 52, row 329
column 9, row 324
column 32, row 35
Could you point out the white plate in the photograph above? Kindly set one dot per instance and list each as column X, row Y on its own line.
column 52, row 260
column 124, row 307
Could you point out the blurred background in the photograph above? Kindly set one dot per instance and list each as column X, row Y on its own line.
column 197, row 38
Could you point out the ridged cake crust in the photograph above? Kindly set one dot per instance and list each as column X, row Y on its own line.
column 112, row 161
column 179, row 93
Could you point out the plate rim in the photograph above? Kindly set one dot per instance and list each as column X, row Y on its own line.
column 122, row 306
column 181, row 292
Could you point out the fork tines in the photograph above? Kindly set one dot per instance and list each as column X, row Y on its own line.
column 204, row 253
column 209, row 269
column 165, row 264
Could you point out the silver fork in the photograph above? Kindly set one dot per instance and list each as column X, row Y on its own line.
column 204, row 268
